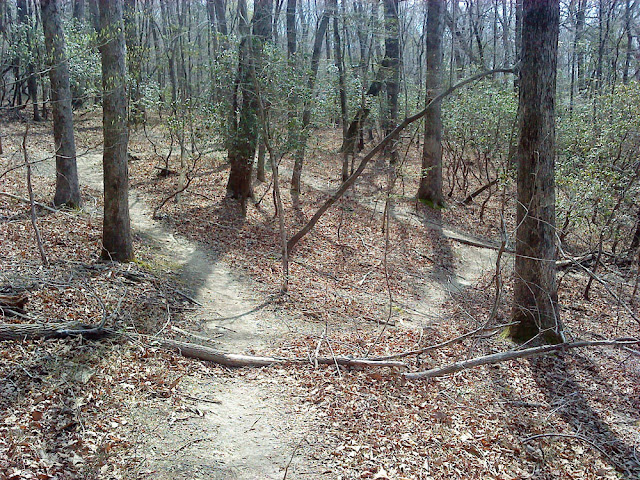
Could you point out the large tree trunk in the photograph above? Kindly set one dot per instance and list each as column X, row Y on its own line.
column 78, row 10
column 291, row 28
column 243, row 145
column 535, row 291
column 116, row 229
column 391, row 65
column 67, row 189
column 430, row 190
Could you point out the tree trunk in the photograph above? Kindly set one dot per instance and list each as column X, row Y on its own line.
column 67, row 188
column 430, row 190
column 32, row 84
column 629, row 34
column 306, row 114
column 291, row 28
column 535, row 291
column 243, row 144
column 78, row 10
column 342, row 87
column 135, row 59
column 391, row 64
column 116, row 229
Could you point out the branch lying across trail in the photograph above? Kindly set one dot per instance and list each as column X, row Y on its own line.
column 191, row 350
column 10, row 331
column 514, row 354
column 379, row 147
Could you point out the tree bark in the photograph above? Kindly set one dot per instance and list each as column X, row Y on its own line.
column 391, row 65
column 67, row 188
column 306, row 114
column 535, row 291
column 32, row 84
column 244, row 141
column 116, row 229
column 430, row 190
column 78, row 10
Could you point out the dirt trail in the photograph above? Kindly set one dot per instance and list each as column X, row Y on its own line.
column 246, row 425
column 241, row 425
column 472, row 256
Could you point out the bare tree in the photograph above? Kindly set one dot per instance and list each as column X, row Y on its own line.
column 430, row 190
column 116, row 228
column 535, row 291
column 242, row 145
column 67, row 188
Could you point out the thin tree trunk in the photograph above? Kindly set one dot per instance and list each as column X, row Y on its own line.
column 67, row 188
column 342, row 87
column 535, row 298
column 306, row 114
column 116, row 229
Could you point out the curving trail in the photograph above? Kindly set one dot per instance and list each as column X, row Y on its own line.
column 242, row 424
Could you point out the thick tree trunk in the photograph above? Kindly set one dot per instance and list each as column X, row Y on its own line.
column 430, row 190
column 78, row 10
column 291, row 28
column 629, row 34
column 116, row 229
column 134, row 60
column 391, row 65
column 244, row 142
column 535, row 291
column 67, row 188
column 342, row 86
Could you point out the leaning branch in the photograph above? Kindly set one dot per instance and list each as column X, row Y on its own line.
column 375, row 150
column 514, row 354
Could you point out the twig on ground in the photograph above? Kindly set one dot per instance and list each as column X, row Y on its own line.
column 34, row 222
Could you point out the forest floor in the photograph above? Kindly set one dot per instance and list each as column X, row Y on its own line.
column 358, row 286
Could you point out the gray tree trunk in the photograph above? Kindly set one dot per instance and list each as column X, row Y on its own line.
column 116, row 228
column 306, row 114
column 242, row 146
column 430, row 190
column 391, row 65
column 67, row 188
column 535, row 294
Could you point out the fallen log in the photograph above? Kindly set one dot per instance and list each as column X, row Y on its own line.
column 31, row 331
column 9, row 331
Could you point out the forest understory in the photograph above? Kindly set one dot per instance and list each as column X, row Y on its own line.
column 361, row 284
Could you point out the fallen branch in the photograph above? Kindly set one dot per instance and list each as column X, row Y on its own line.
column 473, row 195
column 568, row 435
column 9, row 331
column 514, row 354
column 15, row 302
column 41, row 205
column 30, row 331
